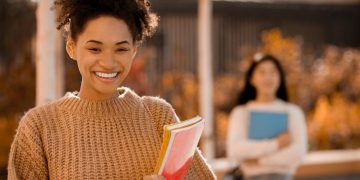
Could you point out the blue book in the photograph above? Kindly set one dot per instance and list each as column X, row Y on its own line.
column 267, row 125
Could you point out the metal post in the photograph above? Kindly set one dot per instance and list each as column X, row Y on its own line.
column 205, row 74
column 47, row 49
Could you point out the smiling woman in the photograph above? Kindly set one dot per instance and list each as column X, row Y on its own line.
column 104, row 56
column 103, row 132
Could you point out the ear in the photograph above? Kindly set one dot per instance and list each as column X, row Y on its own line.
column 134, row 51
column 70, row 48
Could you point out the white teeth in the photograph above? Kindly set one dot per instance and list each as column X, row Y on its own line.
column 106, row 75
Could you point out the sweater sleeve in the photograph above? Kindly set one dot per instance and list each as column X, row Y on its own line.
column 163, row 113
column 296, row 151
column 27, row 159
column 239, row 146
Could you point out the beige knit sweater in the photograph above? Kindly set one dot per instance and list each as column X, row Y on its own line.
column 75, row 138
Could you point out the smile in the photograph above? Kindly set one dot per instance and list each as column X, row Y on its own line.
column 106, row 75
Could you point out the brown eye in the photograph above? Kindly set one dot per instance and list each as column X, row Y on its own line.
column 122, row 50
column 94, row 50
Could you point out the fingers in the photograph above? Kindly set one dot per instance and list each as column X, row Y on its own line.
column 284, row 140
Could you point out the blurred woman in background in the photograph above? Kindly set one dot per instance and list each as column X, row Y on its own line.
column 271, row 158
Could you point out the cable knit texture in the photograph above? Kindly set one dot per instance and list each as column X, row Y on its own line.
column 74, row 138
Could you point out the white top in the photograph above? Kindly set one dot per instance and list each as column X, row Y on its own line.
column 271, row 158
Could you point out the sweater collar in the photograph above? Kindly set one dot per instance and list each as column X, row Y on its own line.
column 127, row 101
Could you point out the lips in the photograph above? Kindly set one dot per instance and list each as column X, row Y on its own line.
column 107, row 75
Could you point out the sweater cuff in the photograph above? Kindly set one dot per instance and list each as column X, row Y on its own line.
column 273, row 147
column 263, row 161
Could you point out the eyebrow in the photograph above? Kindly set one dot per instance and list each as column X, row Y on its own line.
column 99, row 42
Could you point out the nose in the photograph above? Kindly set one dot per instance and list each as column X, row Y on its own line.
column 108, row 61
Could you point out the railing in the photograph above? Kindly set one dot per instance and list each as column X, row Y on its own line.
column 317, row 164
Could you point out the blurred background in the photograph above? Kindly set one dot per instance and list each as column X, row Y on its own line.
column 317, row 41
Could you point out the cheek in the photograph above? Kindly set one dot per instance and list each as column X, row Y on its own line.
column 126, row 63
column 277, row 79
column 84, row 62
column 255, row 80
column 129, row 62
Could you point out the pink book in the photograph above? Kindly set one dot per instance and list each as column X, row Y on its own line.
column 180, row 141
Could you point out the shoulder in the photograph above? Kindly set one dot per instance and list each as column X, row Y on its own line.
column 156, row 102
column 160, row 110
column 293, row 108
column 296, row 113
column 36, row 116
column 238, row 110
column 30, row 121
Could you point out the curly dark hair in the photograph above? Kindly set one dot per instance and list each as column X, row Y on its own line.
column 136, row 14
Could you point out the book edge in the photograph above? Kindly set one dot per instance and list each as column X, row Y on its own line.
column 169, row 135
column 183, row 124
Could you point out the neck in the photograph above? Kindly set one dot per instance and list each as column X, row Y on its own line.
column 97, row 96
column 126, row 102
column 265, row 98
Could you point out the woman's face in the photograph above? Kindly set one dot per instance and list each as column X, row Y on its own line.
column 104, row 52
column 266, row 78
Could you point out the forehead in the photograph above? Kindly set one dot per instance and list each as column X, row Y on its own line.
column 267, row 64
column 106, row 29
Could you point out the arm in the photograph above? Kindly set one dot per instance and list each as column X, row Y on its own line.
column 163, row 114
column 239, row 146
column 27, row 159
column 199, row 169
column 296, row 151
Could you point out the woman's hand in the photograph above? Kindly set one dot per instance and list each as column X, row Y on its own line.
column 154, row 177
column 251, row 162
column 284, row 139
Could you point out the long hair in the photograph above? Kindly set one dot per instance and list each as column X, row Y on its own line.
column 249, row 91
